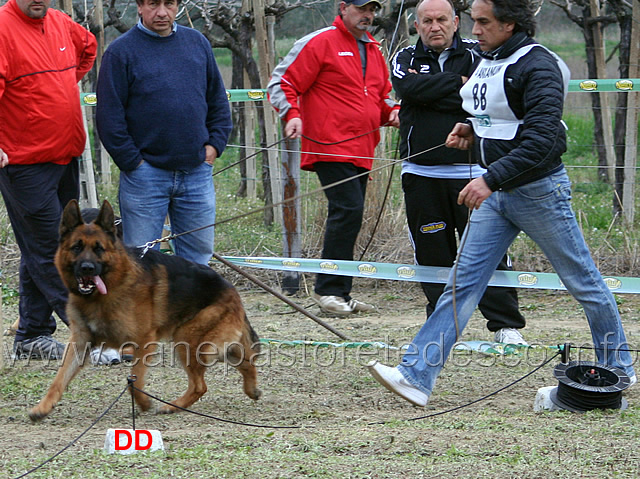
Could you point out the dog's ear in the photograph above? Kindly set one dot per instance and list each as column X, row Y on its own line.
column 106, row 218
column 71, row 218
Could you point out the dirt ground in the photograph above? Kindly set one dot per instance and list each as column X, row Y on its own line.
column 309, row 386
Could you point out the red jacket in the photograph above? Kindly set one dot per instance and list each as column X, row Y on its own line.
column 320, row 81
column 41, row 62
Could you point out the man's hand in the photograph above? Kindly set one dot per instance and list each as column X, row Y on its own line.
column 4, row 159
column 293, row 128
column 461, row 137
column 210, row 154
column 394, row 118
column 474, row 193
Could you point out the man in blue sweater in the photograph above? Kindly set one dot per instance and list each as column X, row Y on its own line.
column 164, row 117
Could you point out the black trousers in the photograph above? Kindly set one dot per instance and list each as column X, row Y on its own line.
column 344, row 219
column 434, row 218
column 35, row 196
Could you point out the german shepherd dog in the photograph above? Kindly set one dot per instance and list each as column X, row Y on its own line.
column 117, row 296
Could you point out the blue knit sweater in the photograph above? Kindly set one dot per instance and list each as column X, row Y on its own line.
column 161, row 99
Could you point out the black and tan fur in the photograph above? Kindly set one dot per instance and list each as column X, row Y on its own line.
column 116, row 297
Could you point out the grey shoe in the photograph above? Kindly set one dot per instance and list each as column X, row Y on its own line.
column 40, row 347
column 332, row 305
column 360, row 307
column 394, row 381
column 104, row 356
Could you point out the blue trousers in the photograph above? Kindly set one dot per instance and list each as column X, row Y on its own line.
column 35, row 196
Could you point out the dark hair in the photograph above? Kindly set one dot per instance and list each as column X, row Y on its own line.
column 521, row 12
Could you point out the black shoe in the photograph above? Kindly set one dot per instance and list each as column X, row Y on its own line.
column 40, row 347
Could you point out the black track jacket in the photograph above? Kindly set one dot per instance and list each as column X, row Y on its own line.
column 431, row 105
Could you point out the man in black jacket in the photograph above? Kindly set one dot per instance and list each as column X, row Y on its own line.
column 427, row 77
column 515, row 96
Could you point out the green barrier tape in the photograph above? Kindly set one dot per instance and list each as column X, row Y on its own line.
column 619, row 85
column 423, row 274
column 246, row 95
column 606, row 85
column 326, row 344
column 90, row 99
column 484, row 347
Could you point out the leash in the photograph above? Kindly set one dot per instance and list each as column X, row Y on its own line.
column 151, row 244
column 229, row 421
column 260, row 283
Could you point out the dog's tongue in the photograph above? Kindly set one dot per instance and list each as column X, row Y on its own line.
column 102, row 288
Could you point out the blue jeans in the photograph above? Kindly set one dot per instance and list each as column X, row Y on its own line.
column 542, row 209
column 147, row 194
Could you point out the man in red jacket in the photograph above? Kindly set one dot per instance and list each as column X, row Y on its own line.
column 43, row 55
column 335, row 82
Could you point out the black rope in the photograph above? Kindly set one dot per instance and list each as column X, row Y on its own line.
column 77, row 438
column 607, row 349
column 229, row 421
column 476, row 400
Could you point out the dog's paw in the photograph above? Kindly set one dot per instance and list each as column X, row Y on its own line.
column 37, row 414
column 167, row 410
column 256, row 394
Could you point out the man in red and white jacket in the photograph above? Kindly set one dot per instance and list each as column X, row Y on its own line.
column 43, row 55
column 335, row 82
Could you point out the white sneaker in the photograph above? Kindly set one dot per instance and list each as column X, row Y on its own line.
column 332, row 305
column 104, row 356
column 632, row 380
column 394, row 381
column 509, row 336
